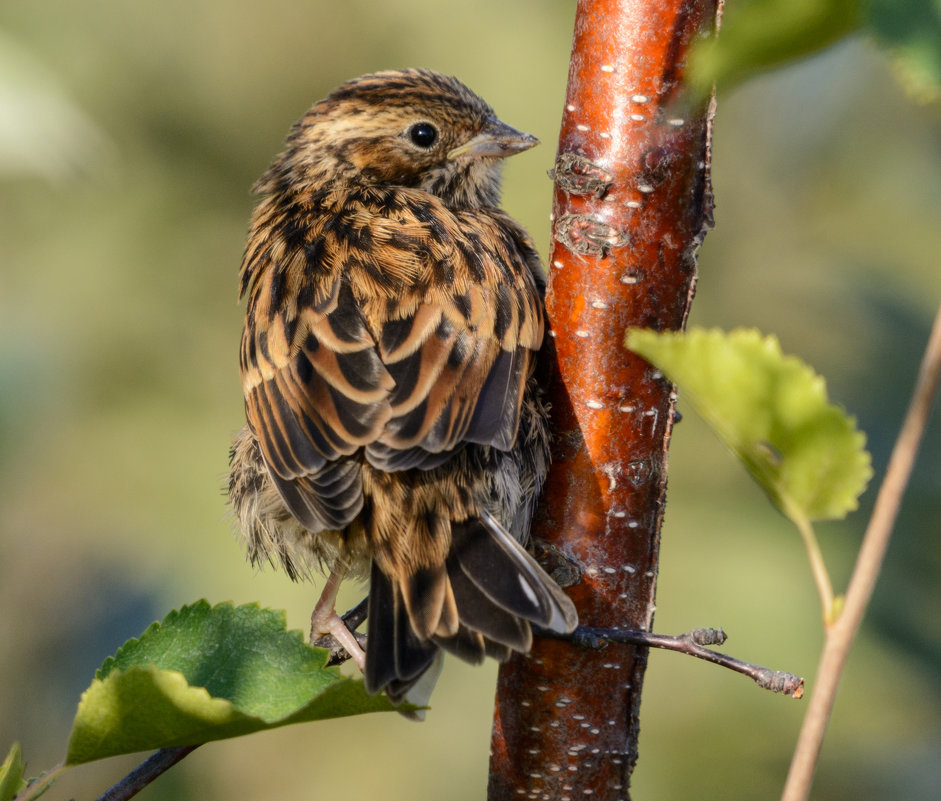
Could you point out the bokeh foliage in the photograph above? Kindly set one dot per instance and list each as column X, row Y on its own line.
column 120, row 237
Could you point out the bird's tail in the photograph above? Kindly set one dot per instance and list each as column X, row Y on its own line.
column 497, row 589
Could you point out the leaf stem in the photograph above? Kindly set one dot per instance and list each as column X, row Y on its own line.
column 842, row 631
column 41, row 783
column 817, row 565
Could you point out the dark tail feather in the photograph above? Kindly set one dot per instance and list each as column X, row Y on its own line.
column 478, row 612
column 466, row 644
column 498, row 590
column 395, row 656
column 501, row 569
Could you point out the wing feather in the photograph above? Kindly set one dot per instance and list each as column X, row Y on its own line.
column 351, row 342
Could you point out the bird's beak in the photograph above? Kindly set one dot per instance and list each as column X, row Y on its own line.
column 497, row 140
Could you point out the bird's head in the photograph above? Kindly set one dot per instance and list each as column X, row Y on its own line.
column 413, row 128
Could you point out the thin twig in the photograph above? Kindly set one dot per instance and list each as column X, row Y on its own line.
column 691, row 643
column 841, row 632
column 146, row 772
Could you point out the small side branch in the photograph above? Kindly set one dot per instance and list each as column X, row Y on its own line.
column 146, row 772
column 691, row 643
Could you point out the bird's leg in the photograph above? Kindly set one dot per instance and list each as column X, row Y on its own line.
column 325, row 619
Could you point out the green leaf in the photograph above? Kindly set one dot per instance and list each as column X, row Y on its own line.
column 771, row 410
column 911, row 30
column 757, row 35
column 11, row 774
column 207, row 674
column 12, row 783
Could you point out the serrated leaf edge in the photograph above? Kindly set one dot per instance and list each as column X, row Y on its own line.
column 817, row 383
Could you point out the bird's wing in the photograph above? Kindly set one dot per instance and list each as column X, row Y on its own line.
column 388, row 323
column 460, row 343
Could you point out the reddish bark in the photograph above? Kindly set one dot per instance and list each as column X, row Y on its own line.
column 632, row 203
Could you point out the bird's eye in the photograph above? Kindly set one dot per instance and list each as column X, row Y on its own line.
column 423, row 134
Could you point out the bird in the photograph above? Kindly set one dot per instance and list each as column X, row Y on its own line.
column 396, row 433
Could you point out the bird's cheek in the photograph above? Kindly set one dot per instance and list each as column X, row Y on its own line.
column 386, row 165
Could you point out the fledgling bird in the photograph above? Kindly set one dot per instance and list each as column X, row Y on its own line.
column 395, row 430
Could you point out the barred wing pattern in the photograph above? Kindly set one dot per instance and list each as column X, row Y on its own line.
column 380, row 320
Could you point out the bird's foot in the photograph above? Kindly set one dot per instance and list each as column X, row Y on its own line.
column 327, row 630
column 326, row 622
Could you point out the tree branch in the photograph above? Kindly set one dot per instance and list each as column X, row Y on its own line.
column 632, row 204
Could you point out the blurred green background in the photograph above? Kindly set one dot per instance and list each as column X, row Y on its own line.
column 130, row 134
